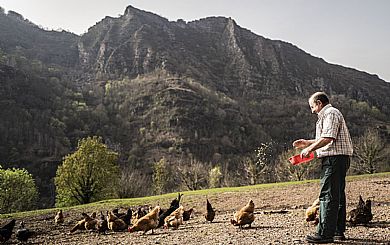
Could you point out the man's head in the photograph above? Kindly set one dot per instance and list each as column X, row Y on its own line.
column 317, row 101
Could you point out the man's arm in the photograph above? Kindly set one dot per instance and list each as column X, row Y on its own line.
column 321, row 142
column 302, row 143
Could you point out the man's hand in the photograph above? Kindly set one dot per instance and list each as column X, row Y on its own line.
column 305, row 152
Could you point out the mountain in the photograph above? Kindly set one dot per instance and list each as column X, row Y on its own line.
column 152, row 88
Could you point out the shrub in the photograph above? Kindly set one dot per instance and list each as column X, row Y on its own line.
column 18, row 191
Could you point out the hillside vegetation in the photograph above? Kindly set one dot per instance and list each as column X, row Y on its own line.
column 207, row 92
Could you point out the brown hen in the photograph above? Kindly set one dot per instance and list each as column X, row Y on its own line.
column 147, row 222
column 59, row 218
column 245, row 216
column 312, row 212
column 175, row 218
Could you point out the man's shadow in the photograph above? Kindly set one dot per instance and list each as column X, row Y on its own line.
column 363, row 241
column 377, row 224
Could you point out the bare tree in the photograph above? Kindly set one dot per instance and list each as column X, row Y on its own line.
column 193, row 174
column 369, row 153
column 134, row 183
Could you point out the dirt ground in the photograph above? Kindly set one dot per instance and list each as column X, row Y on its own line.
column 274, row 228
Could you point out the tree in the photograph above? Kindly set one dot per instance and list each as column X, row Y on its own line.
column 134, row 183
column 369, row 152
column 215, row 177
column 160, row 176
column 90, row 174
column 193, row 175
column 18, row 191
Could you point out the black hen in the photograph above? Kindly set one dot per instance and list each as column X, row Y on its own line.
column 175, row 203
column 6, row 231
column 210, row 212
column 362, row 213
column 187, row 214
column 126, row 217
column 23, row 234
column 101, row 224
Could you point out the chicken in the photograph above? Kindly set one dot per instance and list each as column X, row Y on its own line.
column 126, row 217
column 114, row 223
column 147, row 222
column 23, row 234
column 6, row 231
column 79, row 226
column 101, row 224
column 187, row 214
column 362, row 213
column 245, row 216
column 312, row 212
column 175, row 218
column 90, row 223
column 59, row 218
column 141, row 211
column 175, row 203
column 210, row 214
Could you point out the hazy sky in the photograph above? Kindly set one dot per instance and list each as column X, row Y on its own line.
column 352, row 33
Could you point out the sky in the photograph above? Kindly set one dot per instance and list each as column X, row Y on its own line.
column 351, row 33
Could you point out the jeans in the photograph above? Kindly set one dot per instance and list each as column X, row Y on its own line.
column 332, row 195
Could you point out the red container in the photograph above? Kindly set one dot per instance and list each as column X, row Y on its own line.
column 297, row 159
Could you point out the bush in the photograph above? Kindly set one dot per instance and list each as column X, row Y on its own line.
column 18, row 191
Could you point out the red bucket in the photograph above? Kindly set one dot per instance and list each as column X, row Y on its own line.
column 297, row 159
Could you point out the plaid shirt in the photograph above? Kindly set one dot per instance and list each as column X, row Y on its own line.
column 331, row 124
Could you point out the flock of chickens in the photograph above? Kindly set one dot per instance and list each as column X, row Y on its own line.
column 144, row 219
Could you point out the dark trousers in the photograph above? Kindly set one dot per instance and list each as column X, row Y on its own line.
column 332, row 195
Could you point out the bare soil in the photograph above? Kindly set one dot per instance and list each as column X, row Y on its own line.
column 268, row 228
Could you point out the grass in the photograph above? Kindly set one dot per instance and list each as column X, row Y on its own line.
column 166, row 198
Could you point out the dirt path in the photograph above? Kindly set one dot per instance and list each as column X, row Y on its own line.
column 277, row 228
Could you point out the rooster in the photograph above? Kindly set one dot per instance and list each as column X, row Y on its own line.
column 175, row 218
column 147, row 222
column 312, row 212
column 23, row 234
column 210, row 214
column 174, row 205
column 59, row 218
column 6, row 231
column 245, row 216
column 362, row 213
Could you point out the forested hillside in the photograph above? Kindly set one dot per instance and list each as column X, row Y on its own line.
column 207, row 91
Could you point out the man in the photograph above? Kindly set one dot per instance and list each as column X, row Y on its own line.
column 333, row 146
